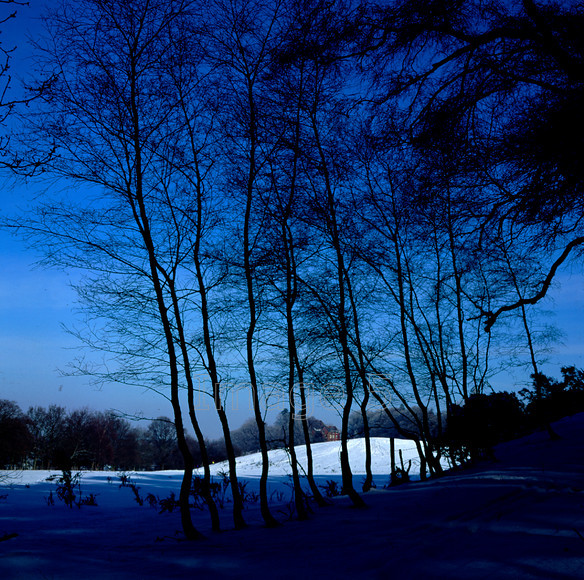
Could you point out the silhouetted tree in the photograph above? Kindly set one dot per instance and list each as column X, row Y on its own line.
column 551, row 399
column 15, row 438
column 47, row 427
column 246, row 437
column 160, row 445
column 108, row 109
column 241, row 35
column 483, row 421
column 493, row 93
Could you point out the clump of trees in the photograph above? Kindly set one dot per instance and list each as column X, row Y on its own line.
column 55, row 438
column 484, row 420
column 551, row 399
column 361, row 201
column 15, row 437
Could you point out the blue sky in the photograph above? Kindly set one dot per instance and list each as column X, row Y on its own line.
column 36, row 303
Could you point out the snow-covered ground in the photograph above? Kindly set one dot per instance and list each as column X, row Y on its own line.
column 326, row 459
column 522, row 517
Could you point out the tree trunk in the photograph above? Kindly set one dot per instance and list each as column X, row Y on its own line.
column 368, row 483
column 309, row 461
column 211, row 364
column 213, row 512
column 299, row 497
column 423, row 462
column 340, row 320
column 136, row 199
column 251, row 302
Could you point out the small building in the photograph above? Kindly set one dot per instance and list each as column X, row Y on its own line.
column 319, row 432
column 331, row 433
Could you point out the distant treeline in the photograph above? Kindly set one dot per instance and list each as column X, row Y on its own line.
column 55, row 438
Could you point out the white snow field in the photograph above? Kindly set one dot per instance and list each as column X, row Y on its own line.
column 520, row 517
column 326, row 459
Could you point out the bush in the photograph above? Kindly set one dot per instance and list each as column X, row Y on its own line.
column 485, row 420
column 66, row 485
column 168, row 504
column 90, row 499
column 549, row 400
column 331, row 488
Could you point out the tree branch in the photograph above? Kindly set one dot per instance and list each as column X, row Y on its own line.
column 492, row 316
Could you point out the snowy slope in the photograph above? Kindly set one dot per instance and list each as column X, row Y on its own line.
column 519, row 518
column 326, row 458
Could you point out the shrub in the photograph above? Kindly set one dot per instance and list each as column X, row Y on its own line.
column 485, row 420
column 331, row 488
column 66, row 485
column 69, row 491
column 216, row 489
column 399, row 476
column 125, row 479
column 151, row 500
column 90, row 500
column 136, row 491
column 247, row 496
column 168, row 504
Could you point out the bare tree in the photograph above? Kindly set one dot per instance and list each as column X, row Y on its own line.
column 336, row 305
column 47, row 428
column 240, row 36
column 287, row 237
column 194, row 162
column 108, row 109
column 496, row 89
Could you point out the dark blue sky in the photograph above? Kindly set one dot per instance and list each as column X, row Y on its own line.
column 35, row 304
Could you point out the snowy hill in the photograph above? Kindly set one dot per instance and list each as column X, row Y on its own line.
column 326, row 458
column 519, row 518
